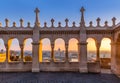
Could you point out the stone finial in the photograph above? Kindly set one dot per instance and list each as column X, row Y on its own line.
column 114, row 21
column 28, row 24
column 59, row 24
column 82, row 23
column 106, row 23
column 7, row 22
column 98, row 22
column 21, row 22
column 52, row 22
column 73, row 24
column 45, row 24
column 37, row 22
column 0, row 24
column 66, row 21
column 91, row 24
column 14, row 24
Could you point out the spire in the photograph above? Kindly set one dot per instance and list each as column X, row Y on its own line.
column 82, row 23
column 37, row 22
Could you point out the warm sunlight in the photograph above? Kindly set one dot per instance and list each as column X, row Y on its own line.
column 46, row 45
column 59, row 43
column 73, row 45
column 91, row 44
column 2, row 51
column 105, row 44
column 28, row 44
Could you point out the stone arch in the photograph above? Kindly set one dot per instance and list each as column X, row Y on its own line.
column 27, row 47
column 91, row 49
column 117, row 38
column 2, row 51
column 73, row 50
column 45, row 50
column 59, row 50
column 105, row 52
column 14, row 50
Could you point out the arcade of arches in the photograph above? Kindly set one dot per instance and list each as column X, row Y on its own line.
column 76, row 48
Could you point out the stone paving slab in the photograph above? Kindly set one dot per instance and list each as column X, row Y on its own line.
column 63, row 77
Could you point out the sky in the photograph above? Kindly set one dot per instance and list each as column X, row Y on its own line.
column 59, row 10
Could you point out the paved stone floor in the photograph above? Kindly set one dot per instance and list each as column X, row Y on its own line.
column 46, row 77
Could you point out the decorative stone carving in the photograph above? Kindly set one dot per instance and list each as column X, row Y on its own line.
column 98, row 22
column 106, row 23
column 14, row 24
column 37, row 22
column 113, row 20
column 21, row 22
column 52, row 22
column 28, row 24
column 82, row 23
column 91, row 24
column 66, row 21
column 81, row 34
column 45, row 24
column 6, row 22
column 73, row 24
column 59, row 24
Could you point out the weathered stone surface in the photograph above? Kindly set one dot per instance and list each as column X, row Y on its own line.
column 57, row 78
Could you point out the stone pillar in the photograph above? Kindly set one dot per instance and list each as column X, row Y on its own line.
column 22, row 51
column 83, row 57
column 52, row 52
column 35, row 58
column 98, row 52
column 116, row 58
column 113, row 56
column 66, row 52
column 7, row 49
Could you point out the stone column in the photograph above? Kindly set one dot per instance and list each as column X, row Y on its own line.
column 52, row 52
column 113, row 56
column 7, row 60
column 78, row 52
column 115, row 62
column 7, row 49
column 22, row 51
column 98, row 52
column 35, row 58
column 83, row 57
column 66, row 52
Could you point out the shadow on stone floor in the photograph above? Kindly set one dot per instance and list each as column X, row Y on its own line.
column 57, row 77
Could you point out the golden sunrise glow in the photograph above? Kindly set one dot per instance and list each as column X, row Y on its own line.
column 105, row 44
column 46, row 45
column 28, row 45
column 59, row 43
column 73, row 45
column 91, row 44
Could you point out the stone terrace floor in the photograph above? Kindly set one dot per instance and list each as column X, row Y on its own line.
column 62, row 77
